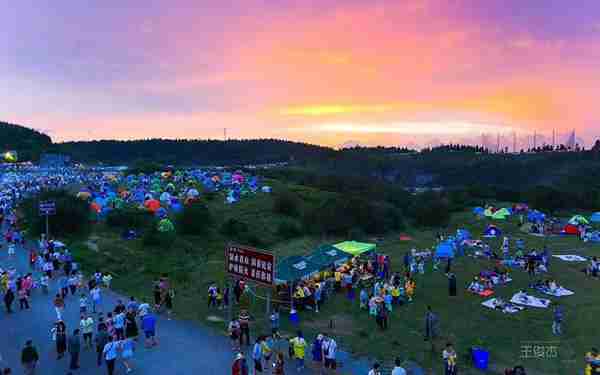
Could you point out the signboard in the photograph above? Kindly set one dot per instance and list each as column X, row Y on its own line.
column 250, row 264
column 47, row 208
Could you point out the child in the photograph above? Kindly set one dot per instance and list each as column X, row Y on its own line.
column 44, row 281
column 11, row 250
column 83, row 303
column 421, row 266
column 106, row 279
column 364, row 299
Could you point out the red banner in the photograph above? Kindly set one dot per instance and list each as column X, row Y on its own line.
column 250, row 264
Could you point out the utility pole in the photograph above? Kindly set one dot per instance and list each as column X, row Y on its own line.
column 534, row 140
column 498, row 143
column 224, row 134
column 515, row 142
column 553, row 139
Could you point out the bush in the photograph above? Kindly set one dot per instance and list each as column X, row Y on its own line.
column 129, row 218
column 72, row 216
column 431, row 210
column 194, row 219
column 288, row 229
column 286, row 203
column 233, row 228
column 154, row 238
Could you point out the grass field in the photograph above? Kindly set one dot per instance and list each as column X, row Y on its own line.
column 194, row 262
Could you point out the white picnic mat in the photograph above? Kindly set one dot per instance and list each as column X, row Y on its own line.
column 531, row 301
column 560, row 292
column 570, row 258
column 510, row 309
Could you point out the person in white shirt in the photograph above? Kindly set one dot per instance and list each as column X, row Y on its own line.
column 398, row 369
column 330, row 349
column 87, row 328
column 375, row 370
column 110, row 354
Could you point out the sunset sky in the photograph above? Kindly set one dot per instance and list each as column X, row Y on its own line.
column 322, row 71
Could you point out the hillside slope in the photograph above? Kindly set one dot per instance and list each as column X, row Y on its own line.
column 28, row 142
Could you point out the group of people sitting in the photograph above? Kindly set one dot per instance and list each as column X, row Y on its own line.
column 549, row 285
column 484, row 283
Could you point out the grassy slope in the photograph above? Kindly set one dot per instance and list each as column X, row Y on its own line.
column 195, row 261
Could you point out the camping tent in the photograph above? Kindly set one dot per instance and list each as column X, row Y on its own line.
column 445, row 250
column 571, row 229
column 595, row 217
column 355, row 248
column 578, row 220
column 492, row 231
column 295, row 268
column 501, row 214
column 326, row 255
column 165, row 225
column 520, row 208
column 479, row 211
column 489, row 212
column 535, row 216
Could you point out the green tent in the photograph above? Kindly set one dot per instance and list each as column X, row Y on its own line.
column 326, row 255
column 578, row 220
column 295, row 268
column 165, row 225
column 501, row 214
column 355, row 248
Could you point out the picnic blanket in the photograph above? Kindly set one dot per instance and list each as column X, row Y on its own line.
column 531, row 301
column 559, row 292
column 570, row 258
column 485, row 293
column 507, row 308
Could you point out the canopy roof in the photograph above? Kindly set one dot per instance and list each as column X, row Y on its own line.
column 295, row 268
column 355, row 248
column 326, row 255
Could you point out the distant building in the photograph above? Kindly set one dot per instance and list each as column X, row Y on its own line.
column 54, row 160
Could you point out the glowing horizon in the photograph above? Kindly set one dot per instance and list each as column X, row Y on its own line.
column 388, row 72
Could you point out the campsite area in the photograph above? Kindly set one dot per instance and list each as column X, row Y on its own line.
column 194, row 262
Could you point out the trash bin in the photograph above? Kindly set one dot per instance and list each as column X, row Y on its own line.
column 481, row 358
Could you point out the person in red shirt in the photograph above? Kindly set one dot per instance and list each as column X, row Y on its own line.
column 240, row 366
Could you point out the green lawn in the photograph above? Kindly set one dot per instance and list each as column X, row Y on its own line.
column 193, row 262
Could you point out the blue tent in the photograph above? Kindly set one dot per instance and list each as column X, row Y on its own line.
column 535, row 216
column 479, row 211
column 595, row 217
column 445, row 250
column 492, row 231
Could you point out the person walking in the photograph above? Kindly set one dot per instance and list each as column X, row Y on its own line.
column 239, row 366
column 279, row 366
column 96, row 295
column 244, row 319
column 430, row 324
column 110, row 355
column 29, row 358
column 59, row 306
column 74, row 349
column 61, row 339
column 86, row 324
column 452, row 285
column 149, row 328
column 398, row 369
column 558, row 315
column 449, row 357
column 101, row 341
column 299, row 350
column 23, row 298
column 9, row 298
column 127, row 348
column 257, row 356
column 330, row 352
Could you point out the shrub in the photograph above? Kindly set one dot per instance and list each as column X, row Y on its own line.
column 288, row 229
column 71, row 218
column 431, row 210
column 129, row 218
column 233, row 228
column 194, row 219
column 286, row 203
column 153, row 238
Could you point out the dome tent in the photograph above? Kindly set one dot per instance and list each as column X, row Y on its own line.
column 492, row 231
column 445, row 250
column 578, row 220
column 501, row 214
column 571, row 229
column 165, row 225
column 595, row 217
column 479, row 211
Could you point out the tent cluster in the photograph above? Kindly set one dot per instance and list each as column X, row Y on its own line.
column 493, row 213
column 165, row 192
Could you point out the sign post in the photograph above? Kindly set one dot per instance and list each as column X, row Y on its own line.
column 46, row 209
column 249, row 264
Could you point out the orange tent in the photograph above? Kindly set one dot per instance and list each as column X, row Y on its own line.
column 152, row 204
column 96, row 207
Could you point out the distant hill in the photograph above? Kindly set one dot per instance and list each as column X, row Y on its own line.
column 193, row 152
column 27, row 142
